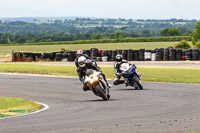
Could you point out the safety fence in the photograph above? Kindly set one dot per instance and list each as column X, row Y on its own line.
column 158, row 54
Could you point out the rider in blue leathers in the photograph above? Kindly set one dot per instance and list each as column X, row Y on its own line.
column 118, row 73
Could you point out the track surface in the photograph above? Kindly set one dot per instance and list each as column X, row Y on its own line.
column 160, row 107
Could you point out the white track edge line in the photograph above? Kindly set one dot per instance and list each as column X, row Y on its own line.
column 45, row 107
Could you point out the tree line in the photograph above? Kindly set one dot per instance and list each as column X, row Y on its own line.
column 88, row 29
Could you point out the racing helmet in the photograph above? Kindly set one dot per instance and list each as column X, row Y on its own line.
column 118, row 57
column 79, row 52
column 82, row 61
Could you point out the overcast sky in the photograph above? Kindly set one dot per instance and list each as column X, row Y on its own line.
column 129, row 9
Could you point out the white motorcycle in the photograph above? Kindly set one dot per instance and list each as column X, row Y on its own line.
column 95, row 81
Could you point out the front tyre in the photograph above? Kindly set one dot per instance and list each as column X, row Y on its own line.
column 101, row 92
column 135, row 81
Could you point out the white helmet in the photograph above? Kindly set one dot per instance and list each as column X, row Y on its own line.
column 82, row 61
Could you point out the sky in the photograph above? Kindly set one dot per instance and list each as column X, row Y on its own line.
column 128, row 9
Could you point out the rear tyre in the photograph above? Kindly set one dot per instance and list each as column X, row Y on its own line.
column 135, row 80
column 101, row 93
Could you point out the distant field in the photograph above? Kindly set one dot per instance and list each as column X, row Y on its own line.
column 54, row 48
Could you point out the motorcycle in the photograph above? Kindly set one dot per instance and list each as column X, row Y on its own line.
column 95, row 81
column 131, row 76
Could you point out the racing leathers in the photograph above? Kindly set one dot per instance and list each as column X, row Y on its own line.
column 82, row 71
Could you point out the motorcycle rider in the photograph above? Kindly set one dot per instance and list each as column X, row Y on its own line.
column 117, row 66
column 79, row 53
column 83, row 65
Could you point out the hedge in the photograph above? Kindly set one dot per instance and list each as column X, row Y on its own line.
column 139, row 39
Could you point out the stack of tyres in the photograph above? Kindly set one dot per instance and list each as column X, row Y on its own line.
column 172, row 54
column 109, row 55
column 71, row 55
column 184, row 54
column 114, row 53
column 159, row 54
column 199, row 53
column 53, row 55
column 188, row 54
column 58, row 56
column 105, row 53
column 130, row 55
column 28, row 56
column 178, row 54
column 124, row 54
column 141, row 54
column 87, row 52
column 36, row 56
column 136, row 55
column 195, row 54
column 49, row 56
column 65, row 56
column 166, row 54
column 99, row 56
column 18, row 56
column 94, row 53
column 119, row 51
column 147, row 55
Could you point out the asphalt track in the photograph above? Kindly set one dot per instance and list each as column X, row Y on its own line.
column 160, row 107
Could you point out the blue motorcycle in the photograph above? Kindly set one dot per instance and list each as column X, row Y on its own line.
column 131, row 76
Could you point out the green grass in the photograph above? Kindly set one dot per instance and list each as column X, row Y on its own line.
column 175, row 75
column 105, row 46
column 17, row 104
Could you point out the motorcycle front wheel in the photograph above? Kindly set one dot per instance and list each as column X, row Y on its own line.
column 135, row 81
column 101, row 92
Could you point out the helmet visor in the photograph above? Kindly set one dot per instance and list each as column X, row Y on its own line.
column 81, row 63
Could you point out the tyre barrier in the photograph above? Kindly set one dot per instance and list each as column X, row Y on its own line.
column 130, row 55
column 114, row 53
column 27, row 57
column 136, row 55
column 141, row 54
column 148, row 55
column 158, row 54
column 93, row 53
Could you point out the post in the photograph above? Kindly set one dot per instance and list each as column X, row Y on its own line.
column 13, row 57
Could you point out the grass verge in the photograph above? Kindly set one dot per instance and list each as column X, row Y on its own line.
column 7, row 104
column 175, row 75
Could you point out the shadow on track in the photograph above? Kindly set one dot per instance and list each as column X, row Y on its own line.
column 130, row 89
column 99, row 100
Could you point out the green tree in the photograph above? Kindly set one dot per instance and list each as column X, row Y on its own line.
column 21, row 40
column 96, row 36
column 196, row 34
column 146, row 33
column 183, row 45
column 170, row 32
column 117, row 36
column 197, row 44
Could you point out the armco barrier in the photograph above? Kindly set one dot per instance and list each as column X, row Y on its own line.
column 158, row 54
